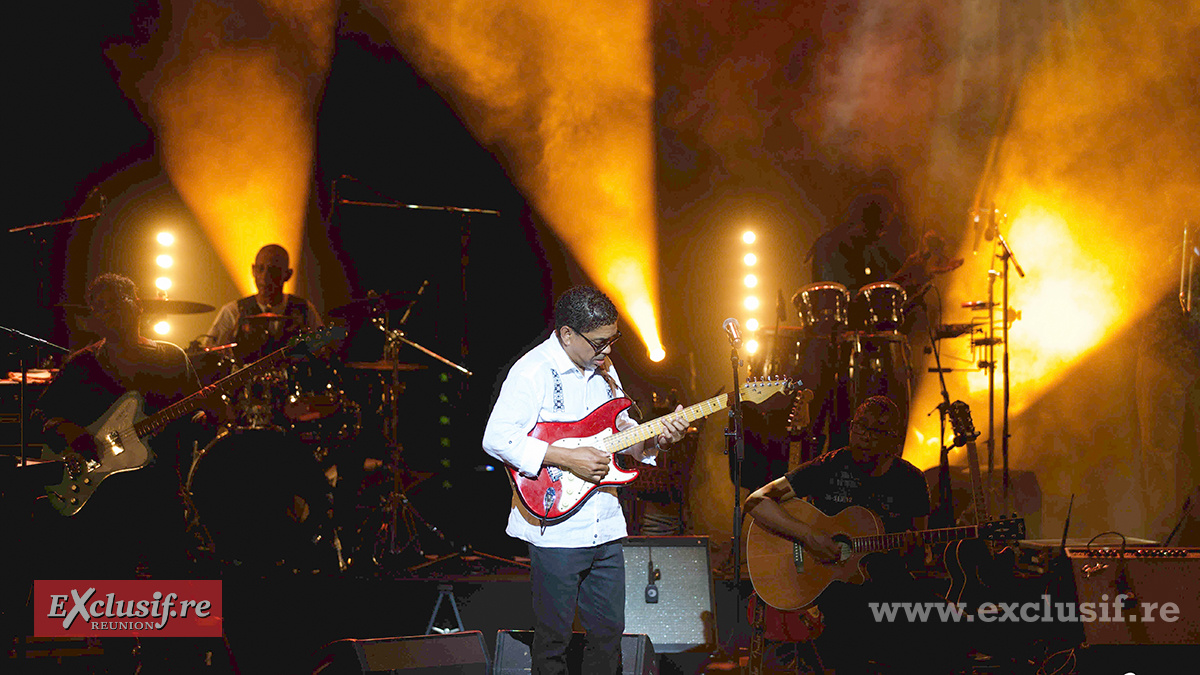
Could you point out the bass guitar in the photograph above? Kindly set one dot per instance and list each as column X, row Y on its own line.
column 122, row 433
column 788, row 578
column 555, row 494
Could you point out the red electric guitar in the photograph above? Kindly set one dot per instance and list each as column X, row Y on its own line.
column 555, row 494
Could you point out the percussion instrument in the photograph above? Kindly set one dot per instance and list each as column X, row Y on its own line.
column 879, row 307
column 823, row 307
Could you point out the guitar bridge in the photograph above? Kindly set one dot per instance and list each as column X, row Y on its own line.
column 798, row 557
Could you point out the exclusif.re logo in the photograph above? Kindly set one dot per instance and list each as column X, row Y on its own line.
column 142, row 608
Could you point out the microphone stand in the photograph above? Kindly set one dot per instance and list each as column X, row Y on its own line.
column 945, row 491
column 736, row 438
column 1007, row 256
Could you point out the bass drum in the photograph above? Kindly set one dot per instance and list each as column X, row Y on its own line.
column 263, row 503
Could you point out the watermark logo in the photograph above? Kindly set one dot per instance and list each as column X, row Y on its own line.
column 1121, row 609
column 142, row 608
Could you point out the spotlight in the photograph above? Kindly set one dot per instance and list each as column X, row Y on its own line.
column 657, row 354
column 162, row 328
column 751, row 346
column 162, row 283
column 750, row 259
column 164, row 261
column 752, row 324
column 751, row 303
column 748, row 237
column 165, row 238
column 751, row 281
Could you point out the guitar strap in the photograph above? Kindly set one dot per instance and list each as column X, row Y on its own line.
column 758, row 642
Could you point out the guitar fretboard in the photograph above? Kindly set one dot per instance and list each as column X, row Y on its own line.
column 751, row 392
column 884, row 542
column 624, row 439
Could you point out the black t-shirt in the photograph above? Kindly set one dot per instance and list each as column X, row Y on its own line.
column 833, row 481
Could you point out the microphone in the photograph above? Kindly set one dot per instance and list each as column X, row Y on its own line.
column 734, row 331
column 976, row 304
column 978, row 232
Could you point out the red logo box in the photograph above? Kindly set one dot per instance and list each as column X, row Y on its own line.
column 141, row 608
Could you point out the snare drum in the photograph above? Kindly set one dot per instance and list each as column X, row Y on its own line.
column 879, row 307
column 823, row 307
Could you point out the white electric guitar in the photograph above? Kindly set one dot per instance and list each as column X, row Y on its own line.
column 122, row 432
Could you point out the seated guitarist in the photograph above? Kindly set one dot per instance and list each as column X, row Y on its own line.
column 135, row 518
column 868, row 473
column 578, row 561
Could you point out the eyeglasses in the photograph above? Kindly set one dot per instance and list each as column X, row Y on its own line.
column 603, row 344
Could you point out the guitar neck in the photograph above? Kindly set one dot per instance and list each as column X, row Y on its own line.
column 154, row 423
column 885, row 542
column 624, row 439
column 981, row 508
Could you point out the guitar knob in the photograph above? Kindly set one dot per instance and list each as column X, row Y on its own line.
column 74, row 487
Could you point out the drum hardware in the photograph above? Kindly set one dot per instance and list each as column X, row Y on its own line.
column 262, row 503
column 374, row 304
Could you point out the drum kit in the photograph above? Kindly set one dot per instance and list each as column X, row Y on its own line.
column 304, row 473
column 846, row 347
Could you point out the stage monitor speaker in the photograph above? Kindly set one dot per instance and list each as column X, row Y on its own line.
column 675, row 606
column 513, row 649
column 1151, row 577
column 451, row 654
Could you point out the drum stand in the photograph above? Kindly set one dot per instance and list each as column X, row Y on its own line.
column 398, row 505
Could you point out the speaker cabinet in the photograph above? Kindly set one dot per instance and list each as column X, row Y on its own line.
column 451, row 654
column 1151, row 577
column 675, row 606
column 513, row 649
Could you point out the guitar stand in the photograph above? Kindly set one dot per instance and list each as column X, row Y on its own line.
column 445, row 591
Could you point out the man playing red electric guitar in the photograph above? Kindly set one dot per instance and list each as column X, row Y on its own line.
column 576, row 560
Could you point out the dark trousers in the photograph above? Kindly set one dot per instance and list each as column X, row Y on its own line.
column 592, row 579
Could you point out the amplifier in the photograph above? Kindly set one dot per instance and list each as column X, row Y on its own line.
column 1143, row 595
column 1034, row 555
column 669, row 592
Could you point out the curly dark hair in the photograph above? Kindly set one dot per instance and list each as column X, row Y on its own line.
column 119, row 284
column 584, row 309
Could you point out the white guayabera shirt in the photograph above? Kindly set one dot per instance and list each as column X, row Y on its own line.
column 544, row 385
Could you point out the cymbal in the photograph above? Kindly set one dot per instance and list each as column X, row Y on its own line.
column 367, row 305
column 152, row 306
column 383, row 365
column 164, row 306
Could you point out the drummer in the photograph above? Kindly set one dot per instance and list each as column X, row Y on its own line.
column 865, row 248
column 269, row 317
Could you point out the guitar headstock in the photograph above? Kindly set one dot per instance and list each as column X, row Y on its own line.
column 799, row 417
column 1005, row 529
column 962, row 424
column 757, row 391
